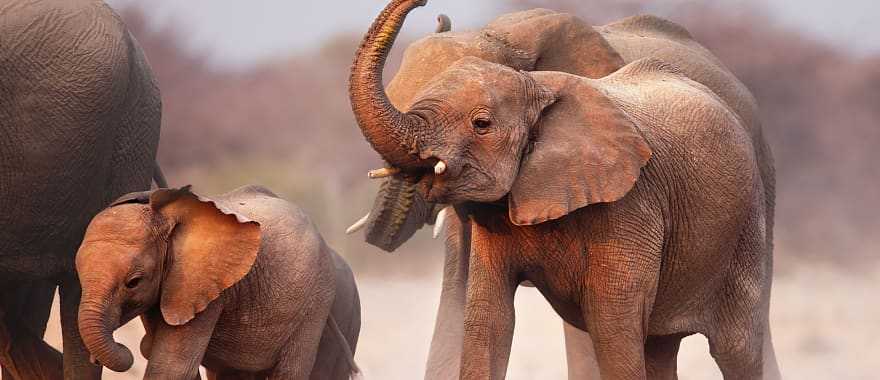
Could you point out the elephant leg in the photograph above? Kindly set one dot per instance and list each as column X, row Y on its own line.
column 620, row 349
column 76, row 356
column 34, row 303
column 489, row 317
column 737, row 341
column 444, row 358
column 23, row 316
column 771, row 366
column 177, row 351
column 621, row 281
column 737, row 354
column 299, row 357
column 579, row 354
column 661, row 354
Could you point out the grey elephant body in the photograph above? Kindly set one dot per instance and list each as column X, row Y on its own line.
column 275, row 321
column 80, row 113
column 546, row 40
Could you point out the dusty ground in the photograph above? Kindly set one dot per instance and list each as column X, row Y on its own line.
column 825, row 326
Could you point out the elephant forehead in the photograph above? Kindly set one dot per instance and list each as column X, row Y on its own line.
column 474, row 83
column 129, row 223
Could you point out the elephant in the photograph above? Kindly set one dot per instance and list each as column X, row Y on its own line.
column 552, row 174
column 80, row 115
column 537, row 39
column 242, row 283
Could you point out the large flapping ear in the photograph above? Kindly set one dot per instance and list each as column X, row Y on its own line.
column 211, row 248
column 586, row 151
column 554, row 41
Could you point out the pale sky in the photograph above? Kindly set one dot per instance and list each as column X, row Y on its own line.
column 243, row 32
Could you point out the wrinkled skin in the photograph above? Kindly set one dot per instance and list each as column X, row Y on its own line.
column 552, row 160
column 195, row 268
column 625, row 41
column 79, row 119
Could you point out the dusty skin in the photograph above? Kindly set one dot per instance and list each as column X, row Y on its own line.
column 810, row 345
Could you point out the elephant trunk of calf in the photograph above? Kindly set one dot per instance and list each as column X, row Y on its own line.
column 96, row 325
column 392, row 133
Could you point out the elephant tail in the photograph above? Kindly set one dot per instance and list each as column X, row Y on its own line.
column 356, row 373
column 158, row 176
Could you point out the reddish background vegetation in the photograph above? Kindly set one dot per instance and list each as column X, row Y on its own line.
column 291, row 120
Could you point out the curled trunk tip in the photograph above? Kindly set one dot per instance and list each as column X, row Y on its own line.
column 96, row 329
column 392, row 133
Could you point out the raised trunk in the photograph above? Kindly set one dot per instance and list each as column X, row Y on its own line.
column 96, row 327
column 393, row 134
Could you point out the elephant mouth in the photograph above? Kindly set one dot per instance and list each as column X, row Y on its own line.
column 430, row 179
column 429, row 186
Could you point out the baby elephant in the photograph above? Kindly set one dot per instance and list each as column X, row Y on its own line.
column 241, row 283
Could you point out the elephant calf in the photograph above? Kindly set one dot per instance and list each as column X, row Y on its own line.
column 242, row 283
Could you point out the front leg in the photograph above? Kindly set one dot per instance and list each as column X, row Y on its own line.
column 489, row 315
column 444, row 358
column 621, row 286
column 177, row 351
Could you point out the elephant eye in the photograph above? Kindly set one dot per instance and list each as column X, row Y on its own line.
column 133, row 282
column 482, row 126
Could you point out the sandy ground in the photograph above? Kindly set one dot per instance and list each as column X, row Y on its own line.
column 825, row 325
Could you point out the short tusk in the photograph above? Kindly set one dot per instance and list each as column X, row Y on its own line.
column 359, row 225
column 440, row 168
column 382, row 173
column 440, row 223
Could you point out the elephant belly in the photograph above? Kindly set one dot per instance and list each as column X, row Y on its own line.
column 252, row 349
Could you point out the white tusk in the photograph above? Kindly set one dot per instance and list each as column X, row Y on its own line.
column 440, row 223
column 382, row 173
column 357, row 226
column 440, row 168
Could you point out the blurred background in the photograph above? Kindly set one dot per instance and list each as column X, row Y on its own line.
column 255, row 92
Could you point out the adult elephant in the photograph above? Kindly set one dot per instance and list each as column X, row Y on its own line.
column 532, row 40
column 80, row 115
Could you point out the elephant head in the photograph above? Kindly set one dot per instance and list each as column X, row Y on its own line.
column 479, row 131
column 168, row 247
column 537, row 39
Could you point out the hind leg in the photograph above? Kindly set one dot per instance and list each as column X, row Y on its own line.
column 661, row 355
column 771, row 367
column 298, row 358
column 738, row 340
column 34, row 302
column 23, row 316
column 738, row 350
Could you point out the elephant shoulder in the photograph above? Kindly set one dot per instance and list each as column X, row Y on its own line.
column 65, row 21
column 260, row 204
column 517, row 17
column 254, row 190
column 659, row 90
column 647, row 69
column 649, row 26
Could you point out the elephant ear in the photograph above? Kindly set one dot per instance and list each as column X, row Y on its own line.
column 585, row 150
column 211, row 248
column 554, row 41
